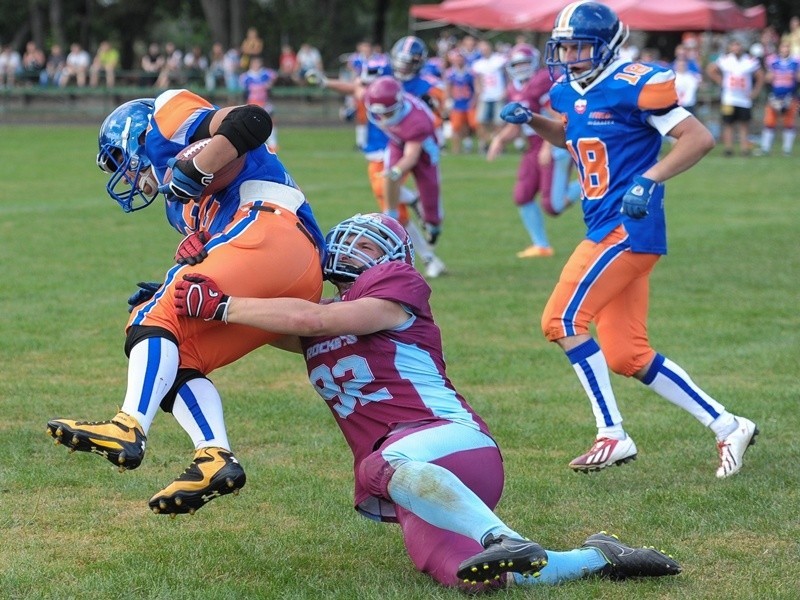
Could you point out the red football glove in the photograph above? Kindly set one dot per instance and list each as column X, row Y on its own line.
column 198, row 296
column 192, row 249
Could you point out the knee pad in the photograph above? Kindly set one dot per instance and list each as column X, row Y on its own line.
column 137, row 333
column 181, row 378
column 374, row 474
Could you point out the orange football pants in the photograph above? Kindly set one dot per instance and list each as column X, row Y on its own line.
column 608, row 285
column 375, row 169
column 263, row 253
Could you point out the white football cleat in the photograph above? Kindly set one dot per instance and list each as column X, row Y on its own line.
column 434, row 268
column 733, row 447
column 605, row 452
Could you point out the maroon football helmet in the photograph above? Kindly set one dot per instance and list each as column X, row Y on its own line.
column 345, row 261
column 385, row 101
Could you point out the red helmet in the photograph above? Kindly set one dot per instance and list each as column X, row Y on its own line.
column 523, row 62
column 346, row 262
column 385, row 101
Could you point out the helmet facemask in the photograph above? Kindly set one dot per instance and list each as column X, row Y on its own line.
column 346, row 261
column 133, row 183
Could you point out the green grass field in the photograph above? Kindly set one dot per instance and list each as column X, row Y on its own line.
column 724, row 306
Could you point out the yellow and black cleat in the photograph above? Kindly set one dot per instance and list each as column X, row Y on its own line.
column 121, row 440
column 214, row 472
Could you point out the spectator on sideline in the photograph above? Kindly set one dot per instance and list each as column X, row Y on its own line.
column 252, row 45
column 256, row 82
column 232, row 69
column 490, row 88
column 461, row 100
column 740, row 78
column 172, row 71
column 687, row 82
column 54, row 67
column 783, row 74
column 215, row 73
column 308, row 60
column 195, row 65
column 10, row 66
column 287, row 66
column 152, row 63
column 106, row 61
column 77, row 66
column 33, row 62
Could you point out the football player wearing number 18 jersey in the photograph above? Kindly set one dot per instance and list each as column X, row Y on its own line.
column 614, row 115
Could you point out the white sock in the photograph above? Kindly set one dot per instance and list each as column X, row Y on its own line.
column 592, row 370
column 421, row 246
column 788, row 140
column 670, row 381
column 152, row 367
column 767, row 137
column 198, row 409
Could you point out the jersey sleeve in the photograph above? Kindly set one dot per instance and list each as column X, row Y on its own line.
column 178, row 113
column 658, row 101
column 658, row 94
column 397, row 282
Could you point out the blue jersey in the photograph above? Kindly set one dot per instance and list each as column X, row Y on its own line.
column 177, row 116
column 614, row 129
column 462, row 87
column 784, row 75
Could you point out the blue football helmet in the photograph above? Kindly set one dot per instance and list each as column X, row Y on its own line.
column 373, row 68
column 122, row 154
column 585, row 24
column 409, row 54
column 346, row 261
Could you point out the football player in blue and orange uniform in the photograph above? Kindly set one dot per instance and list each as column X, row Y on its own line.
column 614, row 115
column 261, row 222
column 783, row 75
column 422, row 456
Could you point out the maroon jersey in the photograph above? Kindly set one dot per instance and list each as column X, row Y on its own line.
column 534, row 94
column 377, row 383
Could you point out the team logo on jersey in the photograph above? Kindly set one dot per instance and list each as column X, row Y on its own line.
column 601, row 117
column 580, row 106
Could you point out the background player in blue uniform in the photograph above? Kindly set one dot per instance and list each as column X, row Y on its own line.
column 423, row 458
column 614, row 115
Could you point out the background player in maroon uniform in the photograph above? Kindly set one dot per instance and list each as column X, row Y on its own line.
column 422, row 456
column 529, row 85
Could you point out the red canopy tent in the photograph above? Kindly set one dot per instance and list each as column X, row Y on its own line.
column 644, row 15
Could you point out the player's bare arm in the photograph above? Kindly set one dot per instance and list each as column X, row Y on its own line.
column 411, row 154
column 507, row 133
column 693, row 142
column 551, row 130
column 300, row 317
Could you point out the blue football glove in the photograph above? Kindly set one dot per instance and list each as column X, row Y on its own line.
column 187, row 183
column 515, row 113
column 393, row 213
column 147, row 290
column 635, row 200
